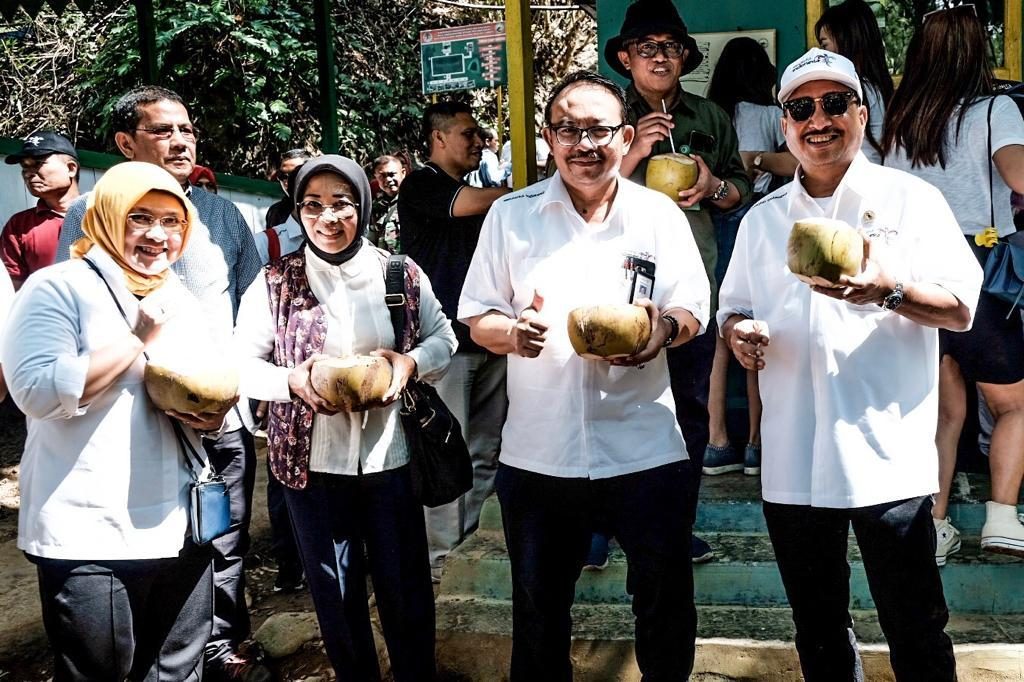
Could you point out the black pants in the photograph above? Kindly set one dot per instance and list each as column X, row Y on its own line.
column 145, row 619
column 282, row 538
column 547, row 530
column 689, row 370
column 897, row 543
column 233, row 456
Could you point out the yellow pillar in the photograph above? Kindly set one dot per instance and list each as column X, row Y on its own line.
column 520, row 92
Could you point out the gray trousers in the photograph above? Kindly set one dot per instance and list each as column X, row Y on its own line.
column 474, row 390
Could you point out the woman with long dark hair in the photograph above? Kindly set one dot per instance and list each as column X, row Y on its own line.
column 850, row 29
column 944, row 126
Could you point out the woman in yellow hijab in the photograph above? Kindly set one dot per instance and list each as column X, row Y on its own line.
column 125, row 592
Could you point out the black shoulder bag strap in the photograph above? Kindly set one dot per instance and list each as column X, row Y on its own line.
column 192, row 458
column 394, row 297
column 991, row 186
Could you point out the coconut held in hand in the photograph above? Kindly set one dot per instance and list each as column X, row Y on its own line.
column 352, row 384
column 821, row 250
column 194, row 389
column 609, row 331
column 671, row 173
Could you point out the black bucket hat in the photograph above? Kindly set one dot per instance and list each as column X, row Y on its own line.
column 647, row 17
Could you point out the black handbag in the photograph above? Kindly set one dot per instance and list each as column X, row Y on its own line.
column 209, row 503
column 439, row 461
column 1004, row 267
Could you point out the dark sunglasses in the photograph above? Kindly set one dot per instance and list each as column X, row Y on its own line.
column 832, row 103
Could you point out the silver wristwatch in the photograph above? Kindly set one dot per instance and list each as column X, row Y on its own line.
column 721, row 192
column 895, row 299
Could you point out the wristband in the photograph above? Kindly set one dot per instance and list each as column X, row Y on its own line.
column 720, row 193
column 673, row 333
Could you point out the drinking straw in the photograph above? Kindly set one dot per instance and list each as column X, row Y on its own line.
column 670, row 140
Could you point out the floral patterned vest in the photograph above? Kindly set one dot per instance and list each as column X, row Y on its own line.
column 301, row 331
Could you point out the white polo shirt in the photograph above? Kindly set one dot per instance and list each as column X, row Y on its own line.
column 850, row 392
column 567, row 416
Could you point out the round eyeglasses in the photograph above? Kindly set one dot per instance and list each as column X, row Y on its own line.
column 342, row 209
column 143, row 222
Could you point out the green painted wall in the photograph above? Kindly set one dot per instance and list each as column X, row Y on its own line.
column 787, row 17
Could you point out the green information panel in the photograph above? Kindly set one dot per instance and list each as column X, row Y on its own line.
column 463, row 57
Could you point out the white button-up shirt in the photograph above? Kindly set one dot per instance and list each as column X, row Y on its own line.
column 289, row 235
column 567, row 416
column 358, row 322
column 850, row 392
column 103, row 480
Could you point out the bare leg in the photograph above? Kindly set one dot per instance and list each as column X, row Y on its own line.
column 1006, row 456
column 952, row 413
column 754, row 408
column 716, row 395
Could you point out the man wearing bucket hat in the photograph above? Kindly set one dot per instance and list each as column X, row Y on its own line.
column 49, row 167
column 654, row 49
column 850, row 380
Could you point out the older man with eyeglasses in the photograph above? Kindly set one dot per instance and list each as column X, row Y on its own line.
column 849, row 378
column 654, row 49
column 589, row 443
column 152, row 124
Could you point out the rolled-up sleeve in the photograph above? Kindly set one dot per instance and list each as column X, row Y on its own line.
column 437, row 343
column 735, row 297
column 488, row 284
column 42, row 359
column 253, row 344
column 680, row 273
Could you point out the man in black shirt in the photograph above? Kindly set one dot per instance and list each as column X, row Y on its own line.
column 441, row 215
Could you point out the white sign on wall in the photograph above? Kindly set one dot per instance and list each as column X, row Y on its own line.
column 711, row 46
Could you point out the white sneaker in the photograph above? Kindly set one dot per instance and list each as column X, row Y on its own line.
column 947, row 540
column 1003, row 532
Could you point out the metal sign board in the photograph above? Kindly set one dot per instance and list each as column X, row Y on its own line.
column 463, row 57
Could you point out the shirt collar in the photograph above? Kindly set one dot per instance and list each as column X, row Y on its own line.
column 636, row 102
column 556, row 193
column 858, row 180
column 42, row 209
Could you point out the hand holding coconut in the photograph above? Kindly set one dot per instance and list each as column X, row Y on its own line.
column 705, row 186
column 301, row 386
column 529, row 332
column 403, row 368
column 658, row 332
column 872, row 285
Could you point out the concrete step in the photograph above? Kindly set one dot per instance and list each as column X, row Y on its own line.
column 743, row 574
column 734, row 644
column 731, row 503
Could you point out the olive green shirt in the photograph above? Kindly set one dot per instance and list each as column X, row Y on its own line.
column 693, row 113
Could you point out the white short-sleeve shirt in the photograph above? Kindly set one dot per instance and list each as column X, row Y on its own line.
column 850, row 392
column 567, row 416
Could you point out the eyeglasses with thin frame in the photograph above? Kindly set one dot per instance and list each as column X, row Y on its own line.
column 166, row 132
column 955, row 8
column 343, row 209
column 599, row 136
column 144, row 222
column 832, row 103
column 648, row 49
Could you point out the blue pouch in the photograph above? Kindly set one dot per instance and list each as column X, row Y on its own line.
column 210, row 510
column 1004, row 274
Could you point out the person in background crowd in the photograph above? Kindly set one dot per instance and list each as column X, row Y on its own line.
column 944, row 126
column 125, row 592
column 151, row 124
column 50, row 169
column 589, row 442
column 203, row 178
column 290, row 162
column 653, row 50
column 490, row 173
column 345, row 473
column 849, row 378
column 441, row 217
column 6, row 299
column 384, row 232
column 743, row 85
column 851, row 29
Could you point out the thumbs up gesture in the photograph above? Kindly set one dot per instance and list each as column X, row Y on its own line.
column 529, row 331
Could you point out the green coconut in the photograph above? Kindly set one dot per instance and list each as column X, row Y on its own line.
column 609, row 331
column 671, row 173
column 821, row 250
column 352, row 384
column 210, row 390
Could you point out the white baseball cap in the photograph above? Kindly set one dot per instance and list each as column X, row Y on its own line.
column 819, row 65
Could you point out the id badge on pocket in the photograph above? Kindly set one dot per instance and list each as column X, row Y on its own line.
column 641, row 273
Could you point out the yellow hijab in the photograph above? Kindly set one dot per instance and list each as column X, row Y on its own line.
column 106, row 216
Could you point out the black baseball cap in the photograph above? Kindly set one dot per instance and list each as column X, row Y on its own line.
column 43, row 143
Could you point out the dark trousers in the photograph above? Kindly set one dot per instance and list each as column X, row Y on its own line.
column 897, row 543
column 145, row 619
column 689, row 370
column 547, row 530
column 333, row 516
column 233, row 456
column 282, row 538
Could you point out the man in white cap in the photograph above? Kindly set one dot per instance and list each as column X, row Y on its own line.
column 849, row 380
